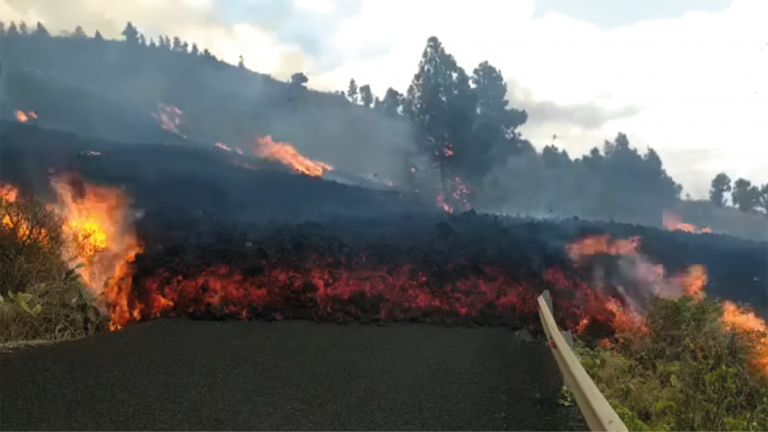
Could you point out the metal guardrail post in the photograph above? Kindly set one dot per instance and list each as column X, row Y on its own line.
column 596, row 410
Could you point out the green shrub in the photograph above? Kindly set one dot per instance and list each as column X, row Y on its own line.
column 41, row 297
column 687, row 373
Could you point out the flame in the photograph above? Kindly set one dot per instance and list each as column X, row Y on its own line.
column 459, row 192
column 19, row 223
column 673, row 222
column 97, row 221
column 649, row 279
column 236, row 162
column 8, row 192
column 24, row 117
column 285, row 153
column 738, row 319
column 602, row 244
column 169, row 118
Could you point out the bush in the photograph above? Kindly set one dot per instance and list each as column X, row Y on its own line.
column 41, row 297
column 687, row 372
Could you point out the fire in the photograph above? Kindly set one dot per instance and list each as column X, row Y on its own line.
column 24, row 117
column 236, row 162
column 286, row 154
column 169, row 118
column 602, row 244
column 19, row 223
column 735, row 318
column 459, row 193
column 8, row 192
column 97, row 221
column 673, row 222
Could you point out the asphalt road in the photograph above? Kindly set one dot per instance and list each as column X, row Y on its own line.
column 191, row 375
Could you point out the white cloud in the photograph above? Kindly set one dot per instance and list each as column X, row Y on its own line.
column 698, row 81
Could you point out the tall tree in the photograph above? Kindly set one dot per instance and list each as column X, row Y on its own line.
column 721, row 185
column 392, row 102
column 41, row 31
column 23, row 29
column 195, row 50
column 79, row 33
column 762, row 201
column 745, row 196
column 366, row 96
column 97, row 36
column 442, row 106
column 352, row 93
column 12, row 30
column 241, row 63
column 496, row 123
column 131, row 34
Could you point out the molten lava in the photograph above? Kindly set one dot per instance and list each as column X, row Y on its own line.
column 286, row 154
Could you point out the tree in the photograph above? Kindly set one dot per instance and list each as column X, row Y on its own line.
column 366, row 96
column 241, row 63
column 142, row 40
column 720, row 185
column 98, row 37
column 763, row 199
column 352, row 91
column 2, row 28
column 392, row 102
column 13, row 30
column 152, row 43
column 41, row 31
column 79, row 33
column 496, row 123
column 299, row 79
column 745, row 196
column 176, row 45
column 442, row 107
column 195, row 50
column 131, row 34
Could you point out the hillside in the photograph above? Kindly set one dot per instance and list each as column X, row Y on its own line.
column 126, row 91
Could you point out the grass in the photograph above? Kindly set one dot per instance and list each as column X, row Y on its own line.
column 688, row 372
column 42, row 298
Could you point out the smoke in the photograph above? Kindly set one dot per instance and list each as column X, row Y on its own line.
column 196, row 21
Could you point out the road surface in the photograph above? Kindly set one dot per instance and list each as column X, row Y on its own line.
column 193, row 375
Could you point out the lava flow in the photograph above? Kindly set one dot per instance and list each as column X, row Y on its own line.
column 286, row 154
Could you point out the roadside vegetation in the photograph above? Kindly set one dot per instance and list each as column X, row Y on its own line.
column 690, row 371
column 42, row 297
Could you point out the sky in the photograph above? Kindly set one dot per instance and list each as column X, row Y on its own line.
column 686, row 77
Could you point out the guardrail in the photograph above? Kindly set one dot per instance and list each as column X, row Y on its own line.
column 596, row 410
